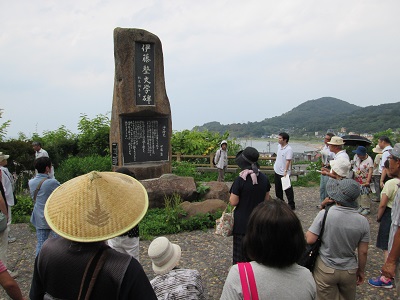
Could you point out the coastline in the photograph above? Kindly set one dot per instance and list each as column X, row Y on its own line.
column 270, row 145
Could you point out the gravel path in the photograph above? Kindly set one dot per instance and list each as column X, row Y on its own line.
column 204, row 251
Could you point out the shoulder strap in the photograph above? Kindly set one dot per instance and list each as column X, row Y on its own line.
column 247, row 279
column 37, row 189
column 323, row 225
column 11, row 179
column 243, row 281
column 92, row 270
column 252, row 281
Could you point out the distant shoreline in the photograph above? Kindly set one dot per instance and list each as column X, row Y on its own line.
column 270, row 145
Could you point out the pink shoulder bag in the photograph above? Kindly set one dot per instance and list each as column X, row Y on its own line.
column 247, row 280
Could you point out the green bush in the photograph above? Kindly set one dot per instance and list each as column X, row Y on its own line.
column 21, row 212
column 76, row 166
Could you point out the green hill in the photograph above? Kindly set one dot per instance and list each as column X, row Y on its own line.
column 317, row 115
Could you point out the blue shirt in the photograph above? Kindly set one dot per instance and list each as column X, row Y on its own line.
column 48, row 186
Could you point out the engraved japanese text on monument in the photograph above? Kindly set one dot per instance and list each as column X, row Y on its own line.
column 145, row 139
column 144, row 73
column 114, row 154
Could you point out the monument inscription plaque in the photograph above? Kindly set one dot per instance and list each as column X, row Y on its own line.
column 144, row 70
column 144, row 139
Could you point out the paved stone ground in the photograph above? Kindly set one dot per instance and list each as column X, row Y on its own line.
column 204, row 251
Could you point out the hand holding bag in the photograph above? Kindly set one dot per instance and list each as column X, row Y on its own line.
column 309, row 257
column 224, row 225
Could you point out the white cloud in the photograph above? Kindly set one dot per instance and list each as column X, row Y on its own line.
column 248, row 59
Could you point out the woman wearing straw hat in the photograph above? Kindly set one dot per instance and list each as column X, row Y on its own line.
column 248, row 190
column 172, row 282
column 85, row 212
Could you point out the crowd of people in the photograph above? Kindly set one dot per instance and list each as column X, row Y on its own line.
column 88, row 231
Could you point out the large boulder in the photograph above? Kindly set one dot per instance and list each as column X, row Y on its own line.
column 218, row 190
column 203, row 207
column 169, row 185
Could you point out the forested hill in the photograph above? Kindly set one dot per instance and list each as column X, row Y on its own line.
column 318, row 115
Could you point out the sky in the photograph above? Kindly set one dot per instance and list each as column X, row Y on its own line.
column 226, row 61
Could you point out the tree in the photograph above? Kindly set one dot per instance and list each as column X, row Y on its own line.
column 60, row 144
column 3, row 126
column 200, row 142
column 94, row 135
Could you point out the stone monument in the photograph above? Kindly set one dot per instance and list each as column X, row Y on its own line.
column 141, row 125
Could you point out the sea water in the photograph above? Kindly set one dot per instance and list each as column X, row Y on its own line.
column 272, row 146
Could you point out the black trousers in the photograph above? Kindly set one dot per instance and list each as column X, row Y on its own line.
column 279, row 191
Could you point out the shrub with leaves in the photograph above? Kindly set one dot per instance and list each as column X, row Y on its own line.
column 76, row 166
column 21, row 212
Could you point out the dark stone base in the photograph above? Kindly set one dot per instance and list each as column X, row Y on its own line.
column 148, row 170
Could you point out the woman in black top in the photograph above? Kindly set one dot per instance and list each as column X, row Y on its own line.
column 248, row 190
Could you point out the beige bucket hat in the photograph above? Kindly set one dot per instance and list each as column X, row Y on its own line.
column 96, row 206
column 336, row 140
column 341, row 166
column 164, row 255
column 377, row 149
column 3, row 156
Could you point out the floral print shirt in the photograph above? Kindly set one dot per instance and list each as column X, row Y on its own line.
column 361, row 168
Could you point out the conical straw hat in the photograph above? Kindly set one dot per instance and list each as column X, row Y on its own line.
column 96, row 206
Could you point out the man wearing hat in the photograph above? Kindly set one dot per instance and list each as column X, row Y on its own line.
column 362, row 170
column 336, row 146
column 282, row 168
column 391, row 268
column 85, row 212
column 221, row 160
column 338, row 270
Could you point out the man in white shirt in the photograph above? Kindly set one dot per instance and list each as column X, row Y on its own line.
column 326, row 157
column 282, row 167
column 7, row 179
column 336, row 146
column 40, row 152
